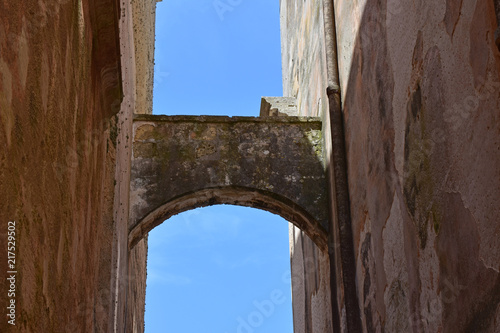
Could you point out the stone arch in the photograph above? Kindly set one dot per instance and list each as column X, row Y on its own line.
column 270, row 163
column 233, row 195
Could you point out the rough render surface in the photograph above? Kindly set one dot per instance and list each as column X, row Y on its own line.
column 136, row 280
column 304, row 78
column 269, row 163
column 421, row 91
column 144, row 18
column 59, row 93
column 138, row 37
column 420, row 83
column 497, row 32
column 310, row 285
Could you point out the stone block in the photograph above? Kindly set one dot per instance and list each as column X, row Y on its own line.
column 278, row 107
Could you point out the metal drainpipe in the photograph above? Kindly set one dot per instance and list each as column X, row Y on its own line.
column 338, row 162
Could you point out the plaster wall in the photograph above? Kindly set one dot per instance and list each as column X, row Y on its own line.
column 68, row 78
column 136, row 293
column 420, row 88
column 144, row 18
column 60, row 91
column 137, row 35
column 420, row 85
column 304, row 77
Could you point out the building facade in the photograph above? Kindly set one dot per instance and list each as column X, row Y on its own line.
column 408, row 94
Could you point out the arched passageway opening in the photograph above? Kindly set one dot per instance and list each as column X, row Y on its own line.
column 221, row 268
column 233, row 195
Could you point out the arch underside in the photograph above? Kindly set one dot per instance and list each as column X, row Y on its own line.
column 270, row 163
column 232, row 195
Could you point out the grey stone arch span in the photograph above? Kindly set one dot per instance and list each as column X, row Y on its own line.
column 270, row 163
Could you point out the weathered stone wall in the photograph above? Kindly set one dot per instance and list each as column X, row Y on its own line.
column 144, row 18
column 421, row 91
column 136, row 279
column 271, row 163
column 60, row 90
column 304, row 77
column 303, row 55
column 420, row 85
column 137, row 28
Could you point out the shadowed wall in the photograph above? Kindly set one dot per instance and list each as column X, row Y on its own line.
column 60, row 90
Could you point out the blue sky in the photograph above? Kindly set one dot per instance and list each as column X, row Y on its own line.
column 219, row 269
column 205, row 65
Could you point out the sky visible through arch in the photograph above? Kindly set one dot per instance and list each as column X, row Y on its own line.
column 219, row 269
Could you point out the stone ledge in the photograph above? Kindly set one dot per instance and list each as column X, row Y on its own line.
column 226, row 119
